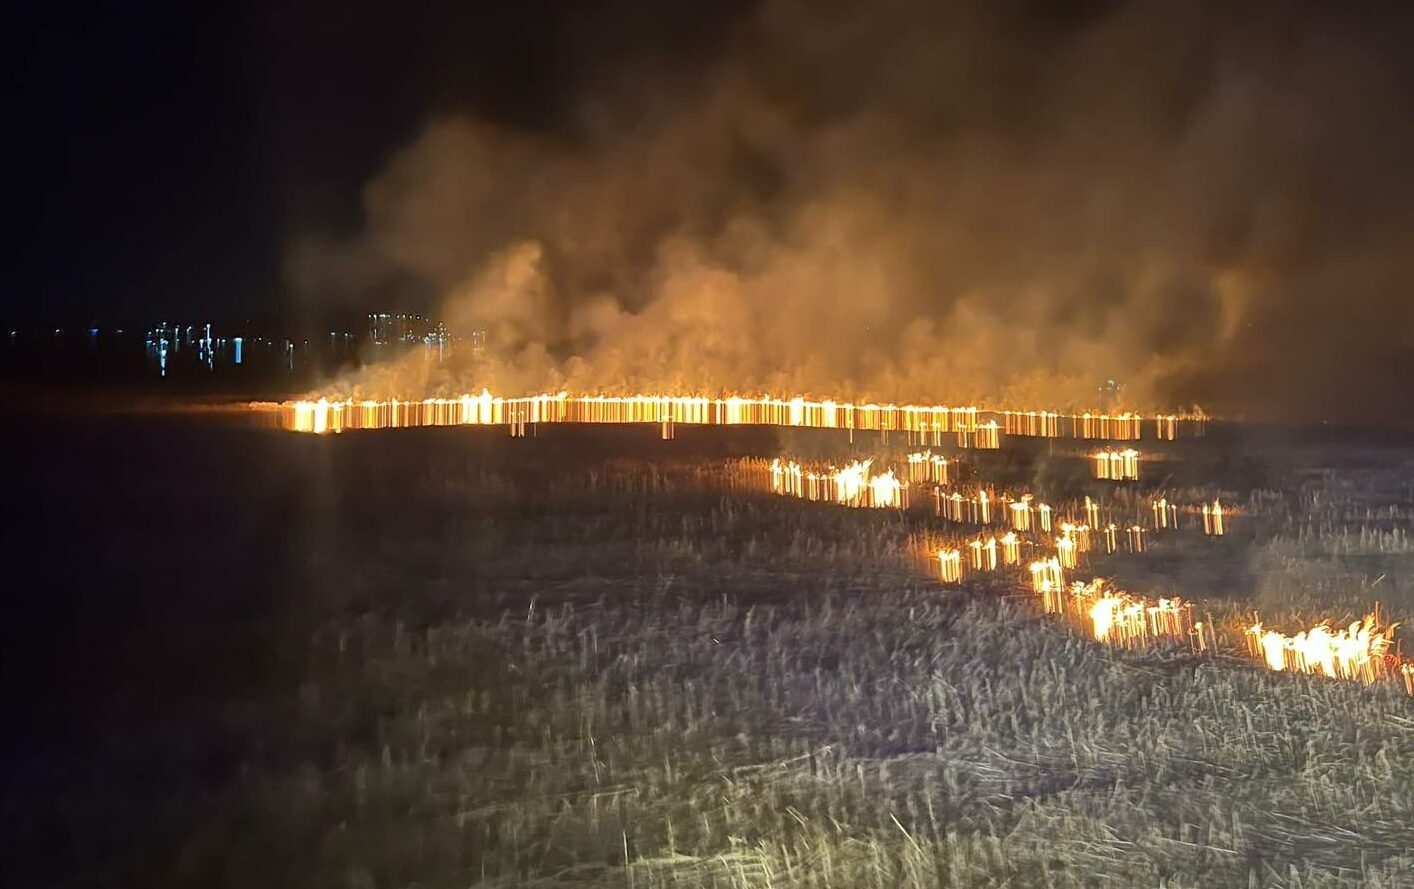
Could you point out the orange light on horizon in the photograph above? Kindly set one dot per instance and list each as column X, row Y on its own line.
column 975, row 427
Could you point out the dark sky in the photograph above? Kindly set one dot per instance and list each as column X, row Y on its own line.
column 1210, row 200
column 163, row 154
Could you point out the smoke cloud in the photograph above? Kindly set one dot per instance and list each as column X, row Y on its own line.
column 969, row 202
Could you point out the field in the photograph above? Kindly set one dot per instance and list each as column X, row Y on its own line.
column 450, row 658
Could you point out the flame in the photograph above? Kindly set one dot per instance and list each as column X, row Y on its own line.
column 885, row 491
column 1092, row 512
column 925, row 466
column 1037, row 424
column 853, row 485
column 1011, row 548
column 973, row 426
column 950, row 565
column 972, row 509
column 1213, row 519
column 1047, row 575
column 1359, row 651
column 1021, row 513
column 1165, row 513
column 1135, row 538
column 1118, row 427
column 983, row 554
column 1125, row 619
column 1116, row 465
column 1115, row 617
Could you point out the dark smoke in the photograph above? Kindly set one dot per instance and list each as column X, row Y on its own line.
column 980, row 201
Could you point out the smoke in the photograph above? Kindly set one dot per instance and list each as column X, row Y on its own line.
column 982, row 202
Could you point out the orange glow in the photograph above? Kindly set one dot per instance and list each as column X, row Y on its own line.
column 1165, row 513
column 1213, row 519
column 1121, row 427
column 1360, row 651
column 926, row 466
column 1038, row 424
column 1011, row 548
column 1021, row 513
column 1077, row 534
column 1092, row 513
column 1117, row 465
column 852, row 485
column 1047, row 576
column 1135, row 538
column 970, row 509
column 1124, row 619
column 983, row 554
column 974, row 427
column 950, row 565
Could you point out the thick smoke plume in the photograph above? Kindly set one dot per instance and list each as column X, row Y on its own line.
column 982, row 202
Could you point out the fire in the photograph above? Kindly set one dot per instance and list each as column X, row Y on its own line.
column 925, row 466
column 1092, row 512
column 1011, row 548
column 1135, row 538
column 1125, row 619
column 1078, row 534
column 973, row 426
column 950, row 565
column 985, row 436
column 853, row 485
column 1213, row 519
column 1038, row 424
column 1117, row 465
column 1047, row 575
column 972, row 509
column 885, row 491
column 1021, row 513
column 1359, row 651
column 984, row 554
column 1118, row 427
column 1165, row 513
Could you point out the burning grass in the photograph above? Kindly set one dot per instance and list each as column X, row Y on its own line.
column 697, row 688
column 534, row 664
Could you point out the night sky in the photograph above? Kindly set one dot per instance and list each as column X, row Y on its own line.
column 1212, row 201
column 165, row 153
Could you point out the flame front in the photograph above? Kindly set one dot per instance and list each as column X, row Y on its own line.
column 928, row 424
column 1359, row 651
column 852, row 485
column 1117, row 465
